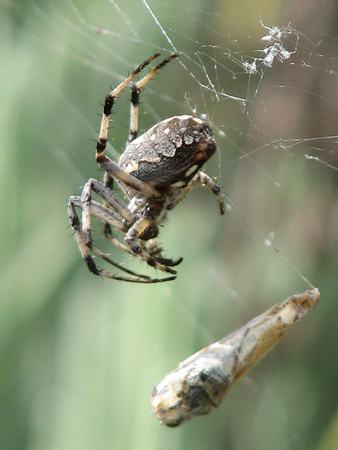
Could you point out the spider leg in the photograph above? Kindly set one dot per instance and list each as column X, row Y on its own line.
column 168, row 262
column 85, row 247
column 206, row 182
column 135, row 97
column 108, row 182
column 154, row 251
column 109, row 198
column 96, row 210
column 140, row 278
column 109, row 103
column 115, row 171
column 143, row 229
column 103, row 213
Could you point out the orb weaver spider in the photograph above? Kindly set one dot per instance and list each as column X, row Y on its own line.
column 155, row 172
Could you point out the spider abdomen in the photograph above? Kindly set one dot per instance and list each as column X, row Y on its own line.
column 170, row 153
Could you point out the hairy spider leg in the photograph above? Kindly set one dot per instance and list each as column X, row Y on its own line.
column 149, row 252
column 109, row 103
column 135, row 97
column 205, row 182
column 110, row 198
column 107, row 216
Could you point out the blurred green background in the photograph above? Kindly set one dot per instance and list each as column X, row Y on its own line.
column 79, row 355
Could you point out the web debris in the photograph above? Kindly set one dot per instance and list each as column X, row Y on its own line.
column 275, row 48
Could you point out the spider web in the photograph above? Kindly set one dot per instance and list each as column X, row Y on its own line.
column 265, row 79
column 260, row 91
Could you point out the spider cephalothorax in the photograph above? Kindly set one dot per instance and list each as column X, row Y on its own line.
column 155, row 172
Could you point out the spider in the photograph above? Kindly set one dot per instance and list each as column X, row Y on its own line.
column 155, row 172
